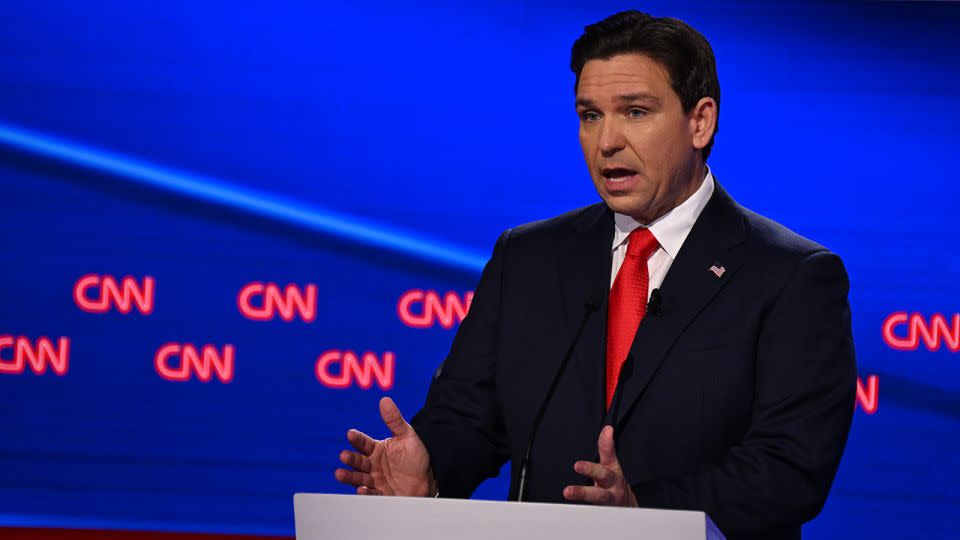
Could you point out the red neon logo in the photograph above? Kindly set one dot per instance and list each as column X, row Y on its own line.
column 123, row 295
column 288, row 303
column 204, row 364
column 350, row 369
column 422, row 309
column 934, row 333
column 38, row 355
column 868, row 398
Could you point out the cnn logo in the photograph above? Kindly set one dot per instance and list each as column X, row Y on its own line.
column 259, row 301
column 423, row 309
column 38, row 355
column 933, row 333
column 342, row 369
column 182, row 362
column 99, row 294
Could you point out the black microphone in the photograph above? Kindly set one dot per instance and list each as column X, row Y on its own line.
column 591, row 304
column 655, row 304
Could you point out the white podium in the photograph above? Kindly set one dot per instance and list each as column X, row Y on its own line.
column 332, row 517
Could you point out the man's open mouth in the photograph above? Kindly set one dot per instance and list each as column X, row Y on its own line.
column 618, row 174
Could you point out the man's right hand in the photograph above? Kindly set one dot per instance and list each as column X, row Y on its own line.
column 399, row 465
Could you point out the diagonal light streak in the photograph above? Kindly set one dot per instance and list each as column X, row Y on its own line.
column 254, row 202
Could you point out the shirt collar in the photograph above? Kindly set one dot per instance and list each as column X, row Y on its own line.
column 672, row 228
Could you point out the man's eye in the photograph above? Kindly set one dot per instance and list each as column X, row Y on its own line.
column 637, row 113
column 590, row 116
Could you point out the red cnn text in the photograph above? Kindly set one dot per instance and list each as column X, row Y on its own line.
column 342, row 369
column 17, row 352
column 423, row 309
column 868, row 395
column 259, row 301
column 905, row 332
column 98, row 294
column 181, row 362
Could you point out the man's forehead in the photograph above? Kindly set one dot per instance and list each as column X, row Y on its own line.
column 626, row 61
column 627, row 74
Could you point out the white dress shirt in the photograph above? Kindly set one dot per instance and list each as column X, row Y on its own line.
column 670, row 230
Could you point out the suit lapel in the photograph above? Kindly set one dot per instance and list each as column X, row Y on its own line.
column 584, row 274
column 687, row 289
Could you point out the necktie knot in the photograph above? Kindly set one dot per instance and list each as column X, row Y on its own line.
column 642, row 243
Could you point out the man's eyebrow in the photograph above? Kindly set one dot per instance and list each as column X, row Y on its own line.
column 639, row 97
column 623, row 98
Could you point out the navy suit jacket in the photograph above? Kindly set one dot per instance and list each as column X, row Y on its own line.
column 736, row 398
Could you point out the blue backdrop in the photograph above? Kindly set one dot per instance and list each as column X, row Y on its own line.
column 375, row 148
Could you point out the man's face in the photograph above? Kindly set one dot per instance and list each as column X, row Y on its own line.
column 636, row 139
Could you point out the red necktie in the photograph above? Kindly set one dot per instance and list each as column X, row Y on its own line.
column 628, row 303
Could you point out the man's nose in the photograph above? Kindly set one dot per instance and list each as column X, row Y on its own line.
column 611, row 138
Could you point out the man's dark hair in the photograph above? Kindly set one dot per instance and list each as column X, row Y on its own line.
column 672, row 43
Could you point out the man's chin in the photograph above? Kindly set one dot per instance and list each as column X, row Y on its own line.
column 625, row 204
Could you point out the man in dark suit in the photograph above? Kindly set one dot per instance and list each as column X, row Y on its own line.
column 709, row 358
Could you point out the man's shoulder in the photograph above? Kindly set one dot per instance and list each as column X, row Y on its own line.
column 780, row 251
column 561, row 226
column 771, row 238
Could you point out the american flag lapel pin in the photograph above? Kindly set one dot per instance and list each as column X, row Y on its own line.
column 718, row 270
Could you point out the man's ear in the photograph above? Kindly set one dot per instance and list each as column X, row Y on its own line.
column 703, row 122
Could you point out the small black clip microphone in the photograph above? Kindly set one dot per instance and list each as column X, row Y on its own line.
column 655, row 304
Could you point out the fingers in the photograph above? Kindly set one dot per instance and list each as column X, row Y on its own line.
column 361, row 464
column 364, row 490
column 354, row 478
column 357, row 461
column 589, row 494
column 601, row 474
column 607, row 449
column 611, row 488
column 361, row 441
column 393, row 419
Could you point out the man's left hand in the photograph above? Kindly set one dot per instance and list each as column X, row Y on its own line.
column 610, row 488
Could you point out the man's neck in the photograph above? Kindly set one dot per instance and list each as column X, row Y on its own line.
column 685, row 191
